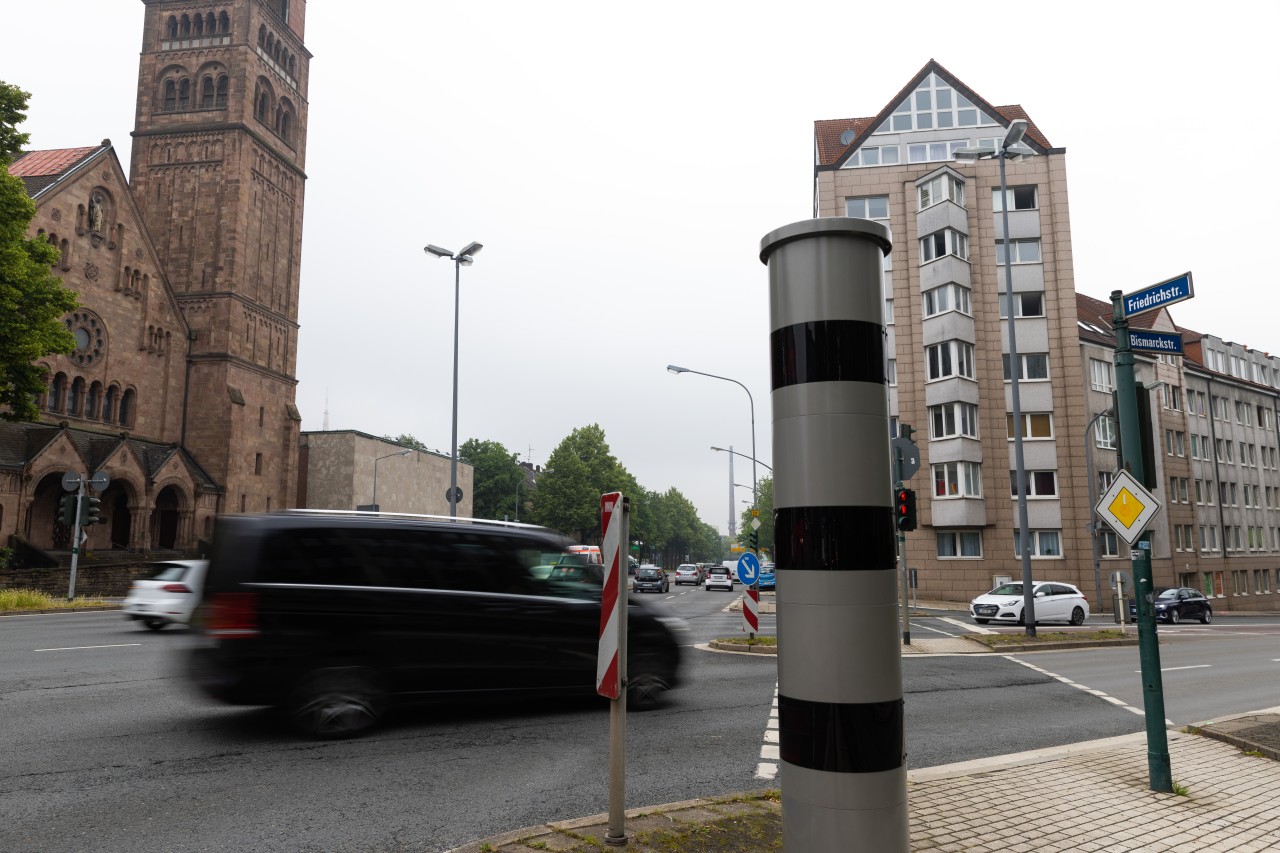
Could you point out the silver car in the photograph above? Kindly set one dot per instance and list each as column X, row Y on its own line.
column 688, row 573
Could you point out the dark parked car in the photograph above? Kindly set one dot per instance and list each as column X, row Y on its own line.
column 333, row 616
column 650, row 579
column 1175, row 603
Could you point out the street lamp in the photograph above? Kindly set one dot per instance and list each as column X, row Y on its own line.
column 736, row 453
column 1017, row 129
column 375, row 474
column 754, row 479
column 460, row 260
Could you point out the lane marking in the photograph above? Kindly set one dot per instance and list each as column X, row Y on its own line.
column 76, row 648
column 1175, row 668
column 972, row 629
column 1089, row 690
column 770, row 752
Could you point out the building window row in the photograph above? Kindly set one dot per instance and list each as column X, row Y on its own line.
column 92, row 401
column 277, row 114
column 273, row 48
column 179, row 93
column 187, row 27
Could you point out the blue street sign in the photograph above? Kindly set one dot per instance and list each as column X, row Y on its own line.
column 1148, row 341
column 748, row 568
column 1158, row 296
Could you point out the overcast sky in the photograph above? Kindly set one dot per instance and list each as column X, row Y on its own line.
column 621, row 163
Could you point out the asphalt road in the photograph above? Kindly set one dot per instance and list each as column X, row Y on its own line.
column 106, row 750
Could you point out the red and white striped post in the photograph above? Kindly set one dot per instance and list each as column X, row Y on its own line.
column 611, row 663
column 751, row 610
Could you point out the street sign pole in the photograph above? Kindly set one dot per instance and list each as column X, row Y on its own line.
column 902, row 550
column 75, row 541
column 1158, row 768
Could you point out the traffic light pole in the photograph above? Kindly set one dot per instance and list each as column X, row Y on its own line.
column 1158, row 768
column 902, row 550
column 75, row 540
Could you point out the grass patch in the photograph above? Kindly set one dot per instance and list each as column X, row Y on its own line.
column 750, row 833
column 1254, row 753
column 997, row 640
column 31, row 599
column 748, row 641
column 1180, row 789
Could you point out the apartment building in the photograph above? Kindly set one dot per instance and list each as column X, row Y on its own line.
column 950, row 372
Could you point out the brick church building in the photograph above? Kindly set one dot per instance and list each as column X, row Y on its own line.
column 181, row 386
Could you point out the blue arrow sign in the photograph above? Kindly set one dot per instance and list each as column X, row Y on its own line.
column 1158, row 296
column 748, row 568
column 1147, row 341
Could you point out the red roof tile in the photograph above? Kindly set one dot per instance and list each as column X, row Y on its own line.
column 46, row 163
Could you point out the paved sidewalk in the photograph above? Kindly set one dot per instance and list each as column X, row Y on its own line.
column 1086, row 797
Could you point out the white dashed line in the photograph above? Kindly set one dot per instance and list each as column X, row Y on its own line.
column 1089, row 690
column 77, row 648
column 769, row 751
column 1176, row 668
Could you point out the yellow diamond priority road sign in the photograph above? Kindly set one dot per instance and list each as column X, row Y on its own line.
column 1127, row 507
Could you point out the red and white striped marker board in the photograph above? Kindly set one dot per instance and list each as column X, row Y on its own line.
column 608, row 681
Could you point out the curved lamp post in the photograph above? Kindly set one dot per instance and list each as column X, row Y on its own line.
column 754, row 479
column 375, row 473
column 460, row 260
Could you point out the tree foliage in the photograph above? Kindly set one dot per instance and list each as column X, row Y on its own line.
column 496, row 477
column 764, row 489
column 32, row 299
column 578, row 472
column 406, row 440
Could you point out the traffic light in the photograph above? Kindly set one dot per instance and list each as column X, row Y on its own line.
column 67, row 510
column 89, row 509
column 905, row 509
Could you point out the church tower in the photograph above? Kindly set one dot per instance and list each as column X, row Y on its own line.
column 219, row 150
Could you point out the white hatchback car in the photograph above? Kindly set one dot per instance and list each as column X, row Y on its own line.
column 719, row 578
column 1054, row 602
column 171, row 595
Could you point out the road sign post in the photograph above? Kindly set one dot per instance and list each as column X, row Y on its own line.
column 906, row 462
column 749, row 574
column 1158, row 766
column 611, row 665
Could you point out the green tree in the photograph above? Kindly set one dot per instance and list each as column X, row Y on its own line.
column 577, row 473
column 765, row 503
column 32, row 299
column 497, row 475
column 406, row 440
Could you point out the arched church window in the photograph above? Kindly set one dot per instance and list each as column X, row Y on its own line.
column 127, row 405
column 186, row 26
column 109, row 404
column 184, row 94
column 220, row 100
column 197, row 26
column 210, row 24
column 271, row 43
column 57, row 389
column 293, row 66
column 263, row 106
column 285, row 126
column 75, row 399
column 275, row 125
column 171, row 28
column 224, row 23
column 170, row 96
column 262, row 36
column 94, row 401
column 206, row 92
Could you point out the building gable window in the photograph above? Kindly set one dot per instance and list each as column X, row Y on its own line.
column 934, row 104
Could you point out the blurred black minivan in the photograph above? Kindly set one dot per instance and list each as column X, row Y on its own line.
column 332, row 616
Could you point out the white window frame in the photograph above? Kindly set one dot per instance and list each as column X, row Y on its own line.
column 953, row 356
column 960, row 417
column 1020, row 304
column 998, row 198
column 956, row 296
column 959, row 539
column 861, row 207
column 952, row 243
column 940, row 188
column 1101, row 377
column 959, row 480
column 1025, row 251
column 1028, row 419
column 1036, row 480
column 1105, row 434
column 1023, row 360
column 1037, row 542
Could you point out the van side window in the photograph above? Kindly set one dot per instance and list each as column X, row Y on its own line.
column 309, row 557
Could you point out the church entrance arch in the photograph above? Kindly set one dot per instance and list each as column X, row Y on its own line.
column 164, row 520
column 44, row 522
column 115, row 506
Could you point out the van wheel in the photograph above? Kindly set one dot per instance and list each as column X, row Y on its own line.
column 337, row 702
column 153, row 623
column 645, row 691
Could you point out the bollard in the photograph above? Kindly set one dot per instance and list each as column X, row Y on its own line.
column 840, row 708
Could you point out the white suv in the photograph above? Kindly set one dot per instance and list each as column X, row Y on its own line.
column 719, row 577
